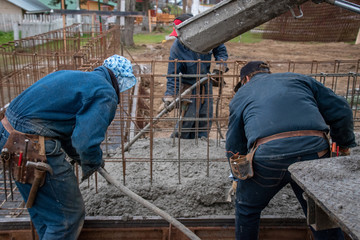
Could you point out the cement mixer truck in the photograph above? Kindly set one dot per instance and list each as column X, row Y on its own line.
column 230, row 18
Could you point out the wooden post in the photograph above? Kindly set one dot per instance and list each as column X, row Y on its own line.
column 99, row 8
column 92, row 25
column 64, row 23
column 149, row 16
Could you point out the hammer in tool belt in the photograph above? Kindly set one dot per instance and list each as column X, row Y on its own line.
column 40, row 169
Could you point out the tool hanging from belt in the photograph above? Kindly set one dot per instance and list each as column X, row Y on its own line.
column 241, row 165
column 23, row 155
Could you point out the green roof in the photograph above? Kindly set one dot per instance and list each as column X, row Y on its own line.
column 70, row 6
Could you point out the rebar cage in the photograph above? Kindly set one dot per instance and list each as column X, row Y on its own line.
column 25, row 61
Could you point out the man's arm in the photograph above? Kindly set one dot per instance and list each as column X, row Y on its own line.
column 220, row 54
column 337, row 114
column 172, row 84
column 236, row 141
column 92, row 122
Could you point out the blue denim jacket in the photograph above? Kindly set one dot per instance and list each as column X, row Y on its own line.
column 180, row 52
column 73, row 106
column 280, row 102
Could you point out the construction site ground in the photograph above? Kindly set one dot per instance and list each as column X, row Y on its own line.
column 191, row 189
column 195, row 194
column 266, row 50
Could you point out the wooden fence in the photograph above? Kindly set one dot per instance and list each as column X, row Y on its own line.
column 29, row 25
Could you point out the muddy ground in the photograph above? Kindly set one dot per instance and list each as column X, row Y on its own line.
column 195, row 194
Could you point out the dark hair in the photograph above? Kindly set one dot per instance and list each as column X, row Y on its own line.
column 250, row 69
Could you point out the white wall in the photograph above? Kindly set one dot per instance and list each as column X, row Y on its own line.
column 9, row 8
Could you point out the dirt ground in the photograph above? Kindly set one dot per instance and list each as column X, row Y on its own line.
column 196, row 194
column 266, row 50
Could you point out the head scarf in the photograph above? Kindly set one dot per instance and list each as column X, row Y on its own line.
column 122, row 69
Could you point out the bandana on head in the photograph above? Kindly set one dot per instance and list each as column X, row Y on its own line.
column 122, row 69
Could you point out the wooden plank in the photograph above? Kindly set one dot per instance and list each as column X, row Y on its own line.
column 333, row 184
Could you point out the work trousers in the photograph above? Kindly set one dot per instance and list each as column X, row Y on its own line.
column 58, row 212
column 254, row 194
column 201, row 106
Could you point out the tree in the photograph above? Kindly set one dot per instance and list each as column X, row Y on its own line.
column 128, row 32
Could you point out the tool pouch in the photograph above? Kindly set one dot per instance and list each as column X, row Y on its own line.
column 241, row 165
column 28, row 146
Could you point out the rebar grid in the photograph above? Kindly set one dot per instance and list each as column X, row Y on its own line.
column 340, row 76
column 140, row 105
column 25, row 61
column 320, row 22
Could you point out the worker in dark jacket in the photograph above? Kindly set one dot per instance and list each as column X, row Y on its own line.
column 194, row 107
column 285, row 115
column 70, row 111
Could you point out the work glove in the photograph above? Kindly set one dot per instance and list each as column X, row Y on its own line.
column 217, row 78
column 89, row 169
column 339, row 151
column 166, row 101
column 344, row 151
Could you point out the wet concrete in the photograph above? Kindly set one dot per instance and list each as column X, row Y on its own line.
column 333, row 184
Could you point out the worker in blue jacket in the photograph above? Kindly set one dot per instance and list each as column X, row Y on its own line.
column 199, row 103
column 72, row 111
column 283, row 118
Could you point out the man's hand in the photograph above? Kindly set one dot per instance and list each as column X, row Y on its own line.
column 166, row 102
column 217, row 78
column 89, row 169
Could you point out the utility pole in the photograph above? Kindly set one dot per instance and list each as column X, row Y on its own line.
column 99, row 8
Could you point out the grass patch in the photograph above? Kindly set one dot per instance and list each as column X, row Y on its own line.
column 153, row 37
column 6, row 37
column 248, row 37
column 158, row 36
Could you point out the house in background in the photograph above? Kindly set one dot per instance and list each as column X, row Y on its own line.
column 21, row 7
column 94, row 5
column 89, row 5
column 13, row 11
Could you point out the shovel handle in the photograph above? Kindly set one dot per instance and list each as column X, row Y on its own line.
column 149, row 205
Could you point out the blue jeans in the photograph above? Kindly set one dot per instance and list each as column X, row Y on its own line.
column 254, row 194
column 58, row 211
column 200, row 107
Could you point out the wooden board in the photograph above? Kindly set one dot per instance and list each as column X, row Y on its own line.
column 334, row 185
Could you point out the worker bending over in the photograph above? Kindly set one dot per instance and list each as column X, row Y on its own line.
column 283, row 118
column 66, row 112
column 199, row 103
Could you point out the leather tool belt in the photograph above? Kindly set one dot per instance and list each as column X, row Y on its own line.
column 21, row 148
column 241, row 165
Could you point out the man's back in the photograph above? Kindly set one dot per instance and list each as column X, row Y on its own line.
column 281, row 102
column 55, row 100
